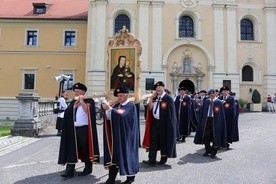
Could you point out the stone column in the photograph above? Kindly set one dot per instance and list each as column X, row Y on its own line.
column 231, row 38
column 28, row 123
column 219, row 37
column 271, row 39
column 157, row 35
column 143, row 32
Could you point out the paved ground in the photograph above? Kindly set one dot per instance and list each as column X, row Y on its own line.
column 250, row 161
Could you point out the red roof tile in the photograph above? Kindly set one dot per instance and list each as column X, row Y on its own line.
column 59, row 9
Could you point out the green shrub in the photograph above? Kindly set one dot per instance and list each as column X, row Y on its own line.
column 256, row 96
column 242, row 102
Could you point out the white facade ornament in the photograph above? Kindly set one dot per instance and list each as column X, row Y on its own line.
column 188, row 3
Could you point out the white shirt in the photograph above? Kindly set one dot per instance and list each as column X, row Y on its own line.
column 62, row 106
column 81, row 117
column 210, row 107
column 157, row 116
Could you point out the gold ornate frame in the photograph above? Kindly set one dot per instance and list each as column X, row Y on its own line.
column 124, row 44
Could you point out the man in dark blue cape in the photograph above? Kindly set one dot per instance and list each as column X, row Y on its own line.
column 230, row 114
column 161, row 127
column 79, row 142
column 183, row 113
column 212, row 126
column 121, row 138
column 236, row 125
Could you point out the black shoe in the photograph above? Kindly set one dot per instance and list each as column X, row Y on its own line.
column 206, row 153
column 183, row 139
column 163, row 161
column 214, row 152
column 108, row 181
column 84, row 173
column 130, row 179
column 213, row 156
column 149, row 163
column 67, row 175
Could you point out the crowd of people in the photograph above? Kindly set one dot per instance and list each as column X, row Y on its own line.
column 212, row 115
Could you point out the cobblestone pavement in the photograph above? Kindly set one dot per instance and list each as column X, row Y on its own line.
column 252, row 160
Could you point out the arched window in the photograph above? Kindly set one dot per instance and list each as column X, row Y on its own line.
column 247, row 73
column 247, row 30
column 120, row 21
column 186, row 27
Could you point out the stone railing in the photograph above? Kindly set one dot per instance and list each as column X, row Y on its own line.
column 34, row 115
column 46, row 108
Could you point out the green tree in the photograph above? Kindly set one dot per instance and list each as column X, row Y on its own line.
column 256, row 96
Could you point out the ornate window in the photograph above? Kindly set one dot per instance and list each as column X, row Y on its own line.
column 120, row 21
column 247, row 73
column 247, row 29
column 186, row 27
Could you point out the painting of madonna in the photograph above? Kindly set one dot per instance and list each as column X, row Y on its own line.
column 122, row 74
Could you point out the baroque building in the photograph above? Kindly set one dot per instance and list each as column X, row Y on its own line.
column 201, row 44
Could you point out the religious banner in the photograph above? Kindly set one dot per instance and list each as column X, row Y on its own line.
column 124, row 64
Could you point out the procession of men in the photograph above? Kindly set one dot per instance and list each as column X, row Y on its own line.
column 212, row 115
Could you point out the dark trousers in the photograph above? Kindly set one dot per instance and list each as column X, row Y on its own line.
column 154, row 140
column 113, row 170
column 208, row 134
column 82, row 144
column 59, row 124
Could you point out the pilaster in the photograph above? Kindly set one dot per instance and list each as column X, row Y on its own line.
column 144, row 32
column 219, row 37
column 157, row 35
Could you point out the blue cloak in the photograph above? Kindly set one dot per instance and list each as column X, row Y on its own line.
column 230, row 115
column 121, row 139
column 219, row 128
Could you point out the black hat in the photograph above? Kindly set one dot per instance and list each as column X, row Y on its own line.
column 160, row 83
column 224, row 88
column 232, row 93
column 182, row 88
column 121, row 89
column 216, row 90
column 203, row 91
column 211, row 91
column 79, row 86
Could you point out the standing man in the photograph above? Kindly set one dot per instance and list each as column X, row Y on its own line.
column 61, row 108
column 121, row 138
column 79, row 138
column 161, row 126
column 212, row 125
column 183, row 113
column 230, row 115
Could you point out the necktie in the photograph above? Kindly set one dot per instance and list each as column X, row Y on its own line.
column 158, row 101
column 211, row 108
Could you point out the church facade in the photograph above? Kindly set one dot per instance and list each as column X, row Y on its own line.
column 199, row 44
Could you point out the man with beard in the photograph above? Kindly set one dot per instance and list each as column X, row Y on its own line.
column 121, row 138
column 79, row 139
column 161, row 127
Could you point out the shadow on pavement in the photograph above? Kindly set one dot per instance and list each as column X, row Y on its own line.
column 197, row 158
column 145, row 168
column 55, row 178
